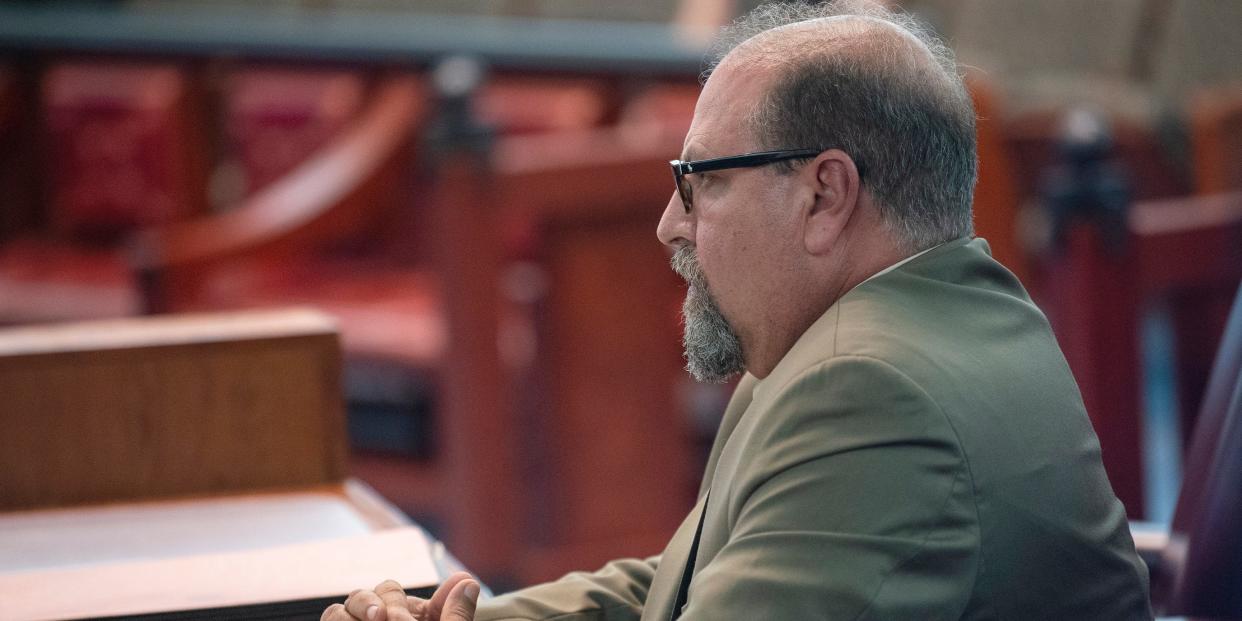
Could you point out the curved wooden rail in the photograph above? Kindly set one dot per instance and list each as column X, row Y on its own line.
column 332, row 192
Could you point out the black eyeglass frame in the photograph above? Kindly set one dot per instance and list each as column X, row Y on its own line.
column 746, row 160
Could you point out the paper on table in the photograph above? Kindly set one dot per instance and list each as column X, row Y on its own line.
column 324, row 568
column 138, row 531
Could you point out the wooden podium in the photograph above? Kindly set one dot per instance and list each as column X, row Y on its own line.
column 187, row 467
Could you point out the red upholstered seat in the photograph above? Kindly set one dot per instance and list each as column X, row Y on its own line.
column 122, row 152
column 276, row 118
column 124, row 149
column 372, row 269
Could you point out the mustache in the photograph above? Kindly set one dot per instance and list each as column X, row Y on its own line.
column 686, row 264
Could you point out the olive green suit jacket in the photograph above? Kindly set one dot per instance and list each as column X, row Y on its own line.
column 922, row 452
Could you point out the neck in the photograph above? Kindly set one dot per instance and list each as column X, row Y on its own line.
column 835, row 277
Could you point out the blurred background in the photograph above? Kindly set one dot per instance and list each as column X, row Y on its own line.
column 471, row 188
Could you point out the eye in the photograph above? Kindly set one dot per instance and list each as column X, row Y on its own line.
column 714, row 182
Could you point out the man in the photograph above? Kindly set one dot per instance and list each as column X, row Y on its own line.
column 907, row 441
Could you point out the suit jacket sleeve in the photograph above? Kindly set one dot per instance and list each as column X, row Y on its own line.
column 853, row 501
column 615, row 592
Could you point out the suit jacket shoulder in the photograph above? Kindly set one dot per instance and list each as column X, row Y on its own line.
column 923, row 452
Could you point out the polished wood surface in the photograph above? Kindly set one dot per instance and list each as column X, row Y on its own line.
column 128, row 409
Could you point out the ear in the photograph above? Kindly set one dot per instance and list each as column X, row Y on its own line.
column 833, row 178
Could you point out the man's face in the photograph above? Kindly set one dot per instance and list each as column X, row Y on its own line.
column 734, row 247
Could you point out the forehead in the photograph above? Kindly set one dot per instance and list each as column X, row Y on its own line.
column 721, row 116
column 737, row 87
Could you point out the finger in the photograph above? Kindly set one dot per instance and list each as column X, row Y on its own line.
column 417, row 606
column 393, row 596
column 461, row 602
column 441, row 595
column 335, row 612
column 365, row 605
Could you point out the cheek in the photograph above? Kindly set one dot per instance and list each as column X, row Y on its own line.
column 729, row 261
column 740, row 245
column 721, row 248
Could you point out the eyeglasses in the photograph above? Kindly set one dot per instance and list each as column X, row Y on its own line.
column 747, row 160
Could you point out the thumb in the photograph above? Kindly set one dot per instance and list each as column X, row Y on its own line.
column 461, row 602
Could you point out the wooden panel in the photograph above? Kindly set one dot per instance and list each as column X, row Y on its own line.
column 169, row 406
column 996, row 194
column 616, row 466
column 1096, row 320
column 19, row 172
column 603, row 433
column 476, row 438
column 1216, row 139
column 1190, row 253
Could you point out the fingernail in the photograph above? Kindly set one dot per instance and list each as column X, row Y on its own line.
column 472, row 591
column 372, row 611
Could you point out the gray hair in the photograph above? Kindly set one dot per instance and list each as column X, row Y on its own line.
column 879, row 86
column 713, row 349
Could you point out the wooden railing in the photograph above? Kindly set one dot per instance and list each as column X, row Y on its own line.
column 328, row 196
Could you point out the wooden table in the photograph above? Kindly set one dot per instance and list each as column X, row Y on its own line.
column 299, row 549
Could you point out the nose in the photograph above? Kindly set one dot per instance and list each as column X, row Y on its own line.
column 676, row 227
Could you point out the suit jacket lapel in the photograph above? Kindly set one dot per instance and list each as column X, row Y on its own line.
column 660, row 598
column 733, row 413
column 664, row 584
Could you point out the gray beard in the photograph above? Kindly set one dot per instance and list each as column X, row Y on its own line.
column 712, row 349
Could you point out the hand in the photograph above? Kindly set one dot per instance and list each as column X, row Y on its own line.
column 453, row 601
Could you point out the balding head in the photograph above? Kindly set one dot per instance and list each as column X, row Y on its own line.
column 876, row 84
